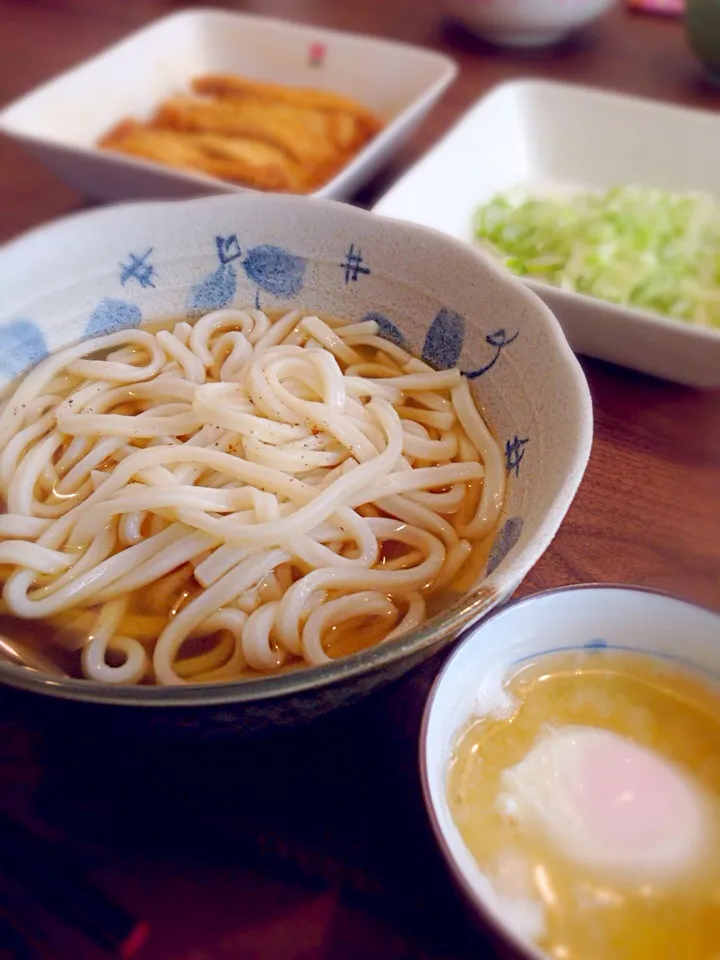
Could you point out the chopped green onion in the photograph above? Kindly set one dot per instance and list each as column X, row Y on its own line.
column 645, row 248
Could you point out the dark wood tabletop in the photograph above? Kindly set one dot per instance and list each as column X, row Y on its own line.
column 316, row 846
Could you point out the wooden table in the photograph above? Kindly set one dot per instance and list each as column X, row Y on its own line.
column 317, row 846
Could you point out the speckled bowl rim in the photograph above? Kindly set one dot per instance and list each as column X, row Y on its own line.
column 470, row 894
column 436, row 632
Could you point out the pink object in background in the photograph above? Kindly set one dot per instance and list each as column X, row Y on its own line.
column 316, row 54
column 672, row 8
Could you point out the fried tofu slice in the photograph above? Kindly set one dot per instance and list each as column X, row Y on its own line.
column 249, row 162
column 227, row 86
column 313, row 139
column 130, row 136
column 263, row 135
column 273, row 169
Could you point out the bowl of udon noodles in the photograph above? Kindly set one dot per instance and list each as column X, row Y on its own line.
column 262, row 454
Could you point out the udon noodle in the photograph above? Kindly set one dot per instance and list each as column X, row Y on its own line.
column 204, row 500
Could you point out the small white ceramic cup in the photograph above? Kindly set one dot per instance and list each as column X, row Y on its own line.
column 525, row 23
column 595, row 616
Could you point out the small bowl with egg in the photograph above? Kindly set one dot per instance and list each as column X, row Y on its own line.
column 569, row 756
column 263, row 454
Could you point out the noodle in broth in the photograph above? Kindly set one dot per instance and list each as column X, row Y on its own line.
column 207, row 499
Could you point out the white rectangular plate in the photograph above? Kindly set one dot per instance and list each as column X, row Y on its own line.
column 62, row 120
column 538, row 134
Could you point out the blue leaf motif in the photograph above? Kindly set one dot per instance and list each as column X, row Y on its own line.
column 504, row 542
column 275, row 270
column 444, row 340
column 111, row 315
column 214, row 291
column 22, row 345
column 386, row 328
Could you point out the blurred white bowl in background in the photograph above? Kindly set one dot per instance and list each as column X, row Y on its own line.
column 525, row 23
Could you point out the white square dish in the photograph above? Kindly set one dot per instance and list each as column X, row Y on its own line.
column 538, row 134
column 62, row 120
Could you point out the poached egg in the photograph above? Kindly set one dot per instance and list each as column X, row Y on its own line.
column 607, row 803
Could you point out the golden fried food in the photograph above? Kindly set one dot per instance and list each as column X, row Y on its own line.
column 261, row 135
column 268, row 164
column 249, row 162
column 228, row 86
column 309, row 137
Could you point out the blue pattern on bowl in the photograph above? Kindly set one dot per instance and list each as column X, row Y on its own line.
column 497, row 340
column 228, row 248
column 215, row 291
column 23, row 345
column 270, row 267
column 354, row 265
column 112, row 315
column 515, row 453
column 444, row 340
column 275, row 270
column 506, row 539
column 386, row 328
column 139, row 269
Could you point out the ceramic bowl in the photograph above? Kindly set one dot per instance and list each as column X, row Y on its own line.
column 594, row 617
column 525, row 23
column 553, row 138
column 112, row 268
column 62, row 120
